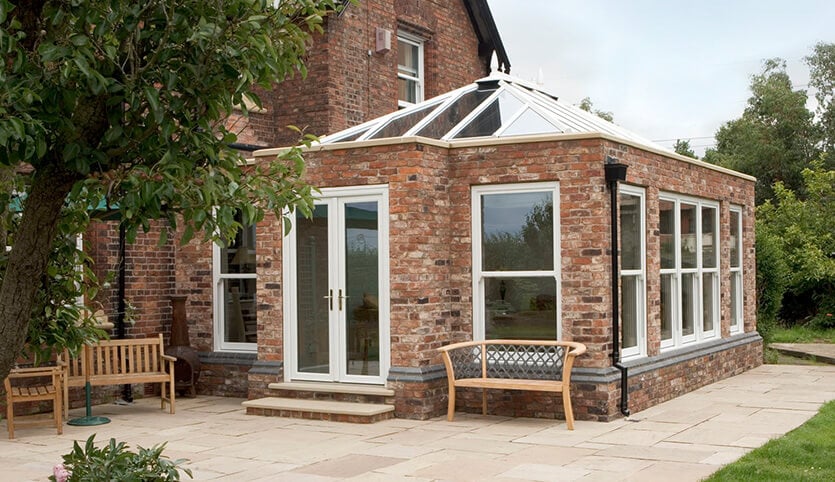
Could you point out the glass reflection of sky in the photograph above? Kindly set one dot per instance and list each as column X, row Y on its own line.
column 507, row 213
column 361, row 226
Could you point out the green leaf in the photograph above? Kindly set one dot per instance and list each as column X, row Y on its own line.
column 152, row 96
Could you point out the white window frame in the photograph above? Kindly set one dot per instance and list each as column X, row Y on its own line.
column 736, row 277
column 678, row 338
column 479, row 275
column 219, row 304
column 640, row 349
column 417, row 42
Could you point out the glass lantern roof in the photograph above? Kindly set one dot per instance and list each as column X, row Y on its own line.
column 494, row 107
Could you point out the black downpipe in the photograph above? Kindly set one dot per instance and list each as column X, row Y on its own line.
column 127, row 393
column 617, row 172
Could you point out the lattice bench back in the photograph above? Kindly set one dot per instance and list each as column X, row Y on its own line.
column 508, row 360
column 536, row 365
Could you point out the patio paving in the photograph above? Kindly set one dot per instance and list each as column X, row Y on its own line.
column 684, row 439
column 821, row 352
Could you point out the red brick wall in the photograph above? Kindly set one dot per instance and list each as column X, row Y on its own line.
column 149, row 276
column 348, row 82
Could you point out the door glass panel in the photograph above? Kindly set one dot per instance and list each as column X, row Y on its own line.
column 520, row 308
column 312, row 288
column 362, row 330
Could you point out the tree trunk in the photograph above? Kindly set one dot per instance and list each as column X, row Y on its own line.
column 28, row 259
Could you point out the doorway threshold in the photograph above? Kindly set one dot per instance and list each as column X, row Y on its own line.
column 333, row 387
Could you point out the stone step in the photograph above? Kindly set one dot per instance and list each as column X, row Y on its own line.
column 338, row 392
column 333, row 411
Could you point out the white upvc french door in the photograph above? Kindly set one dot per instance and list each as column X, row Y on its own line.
column 336, row 302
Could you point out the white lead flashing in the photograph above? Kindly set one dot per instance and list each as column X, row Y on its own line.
column 502, row 141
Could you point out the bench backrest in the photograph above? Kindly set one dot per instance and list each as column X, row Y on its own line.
column 511, row 359
column 118, row 357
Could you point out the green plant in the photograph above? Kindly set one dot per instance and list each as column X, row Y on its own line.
column 114, row 462
column 808, row 333
column 772, row 273
column 795, row 246
column 771, row 356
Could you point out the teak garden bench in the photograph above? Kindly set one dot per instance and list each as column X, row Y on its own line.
column 511, row 365
column 117, row 362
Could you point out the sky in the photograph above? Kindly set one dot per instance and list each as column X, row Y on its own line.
column 667, row 70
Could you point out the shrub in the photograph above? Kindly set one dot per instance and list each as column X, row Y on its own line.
column 772, row 276
column 115, row 462
column 800, row 231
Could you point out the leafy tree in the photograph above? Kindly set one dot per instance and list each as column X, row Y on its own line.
column 682, row 146
column 822, row 79
column 801, row 231
column 121, row 104
column 776, row 136
column 587, row 106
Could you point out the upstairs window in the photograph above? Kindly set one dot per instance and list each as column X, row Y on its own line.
column 409, row 70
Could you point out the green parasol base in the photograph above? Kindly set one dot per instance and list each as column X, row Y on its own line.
column 88, row 421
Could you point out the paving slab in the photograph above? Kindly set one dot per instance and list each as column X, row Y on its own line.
column 821, row 352
column 684, row 439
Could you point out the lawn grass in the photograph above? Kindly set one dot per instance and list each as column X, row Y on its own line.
column 802, row 334
column 805, row 453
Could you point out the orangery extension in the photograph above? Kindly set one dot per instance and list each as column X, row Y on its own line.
column 493, row 211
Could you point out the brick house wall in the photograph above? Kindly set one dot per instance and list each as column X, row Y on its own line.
column 349, row 83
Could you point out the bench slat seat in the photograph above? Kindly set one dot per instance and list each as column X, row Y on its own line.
column 505, row 384
column 531, row 365
column 100, row 380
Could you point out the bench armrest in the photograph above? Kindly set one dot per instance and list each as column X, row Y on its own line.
column 169, row 358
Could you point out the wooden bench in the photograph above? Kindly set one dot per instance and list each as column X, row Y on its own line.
column 511, row 365
column 118, row 362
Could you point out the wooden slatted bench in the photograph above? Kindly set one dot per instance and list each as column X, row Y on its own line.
column 511, row 365
column 118, row 362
